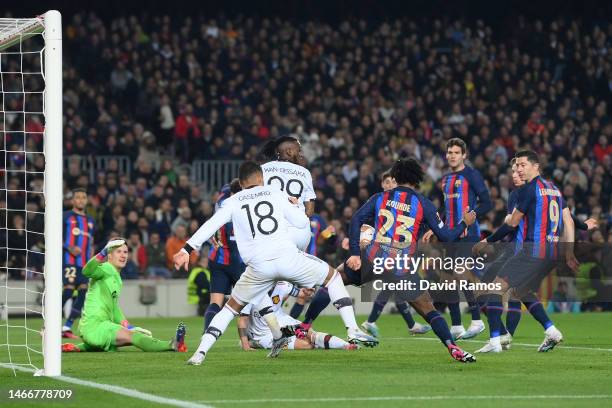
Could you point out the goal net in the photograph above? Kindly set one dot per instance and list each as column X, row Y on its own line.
column 31, row 193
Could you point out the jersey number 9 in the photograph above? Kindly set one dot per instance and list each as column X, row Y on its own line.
column 295, row 191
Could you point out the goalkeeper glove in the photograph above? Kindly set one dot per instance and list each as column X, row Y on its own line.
column 132, row 328
column 110, row 246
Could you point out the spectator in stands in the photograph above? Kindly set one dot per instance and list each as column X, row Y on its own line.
column 173, row 245
column 156, row 258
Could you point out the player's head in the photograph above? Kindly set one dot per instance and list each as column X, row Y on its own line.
column 118, row 256
column 235, row 186
column 267, row 152
column 516, row 179
column 288, row 148
column 407, row 172
column 456, row 152
column 79, row 199
column 387, row 182
column 250, row 175
column 528, row 164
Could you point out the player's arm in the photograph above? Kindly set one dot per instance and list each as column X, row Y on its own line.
column 589, row 224
column 567, row 239
column 310, row 208
column 221, row 217
column 364, row 215
column 92, row 268
column 292, row 212
column 440, row 229
column 482, row 192
column 243, row 326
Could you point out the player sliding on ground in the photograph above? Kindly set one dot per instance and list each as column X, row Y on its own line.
column 103, row 325
column 254, row 331
column 261, row 216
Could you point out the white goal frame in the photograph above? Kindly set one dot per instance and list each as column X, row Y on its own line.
column 12, row 32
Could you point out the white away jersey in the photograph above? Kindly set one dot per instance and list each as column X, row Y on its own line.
column 293, row 179
column 260, row 216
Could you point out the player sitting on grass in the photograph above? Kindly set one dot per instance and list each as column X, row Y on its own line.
column 103, row 325
column 255, row 333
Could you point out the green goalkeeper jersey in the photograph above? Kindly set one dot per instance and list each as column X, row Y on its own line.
column 102, row 301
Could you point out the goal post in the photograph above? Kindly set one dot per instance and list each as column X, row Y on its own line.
column 31, row 165
column 53, row 146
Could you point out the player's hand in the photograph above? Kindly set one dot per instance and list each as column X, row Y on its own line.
column 328, row 232
column 141, row 330
column 591, row 223
column 215, row 243
column 246, row 346
column 75, row 250
column 427, row 236
column 345, row 244
column 306, row 293
column 110, row 245
column 354, row 262
column 293, row 200
column 571, row 261
column 469, row 217
column 181, row 260
column 479, row 247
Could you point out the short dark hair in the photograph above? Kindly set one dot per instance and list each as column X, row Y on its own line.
column 235, row 186
column 407, row 171
column 529, row 154
column 455, row 141
column 78, row 190
column 386, row 174
column 247, row 169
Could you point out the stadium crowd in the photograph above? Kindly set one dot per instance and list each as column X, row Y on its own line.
column 166, row 91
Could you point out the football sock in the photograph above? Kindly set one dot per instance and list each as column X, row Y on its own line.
column 377, row 309
column 474, row 307
column 265, row 309
column 404, row 309
column 513, row 316
column 317, row 305
column 537, row 311
column 66, row 294
column 495, row 308
column 327, row 341
column 217, row 326
column 146, row 343
column 440, row 327
column 455, row 313
column 77, row 305
column 296, row 310
column 69, row 322
column 342, row 301
column 211, row 311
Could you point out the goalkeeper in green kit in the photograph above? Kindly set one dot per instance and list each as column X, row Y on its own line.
column 103, row 325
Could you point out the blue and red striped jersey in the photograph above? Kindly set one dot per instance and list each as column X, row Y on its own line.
column 542, row 204
column 400, row 217
column 78, row 231
column 463, row 189
column 317, row 224
column 225, row 236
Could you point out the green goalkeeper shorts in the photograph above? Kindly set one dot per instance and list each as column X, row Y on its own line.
column 100, row 335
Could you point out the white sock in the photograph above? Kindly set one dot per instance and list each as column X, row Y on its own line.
column 336, row 290
column 478, row 322
column 272, row 322
column 550, row 330
column 495, row 341
column 219, row 322
column 457, row 328
column 333, row 342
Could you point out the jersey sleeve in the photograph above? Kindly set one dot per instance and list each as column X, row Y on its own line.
column 482, row 192
column 364, row 215
column 284, row 289
column 437, row 226
column 293, row 213
column 309, row 194
column 512, row 201
column 222, row 216
column 93, row 269
column 525, row 198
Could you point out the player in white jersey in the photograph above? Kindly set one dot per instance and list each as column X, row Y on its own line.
column 286, row 174
column 261, row 216
column 255, row 333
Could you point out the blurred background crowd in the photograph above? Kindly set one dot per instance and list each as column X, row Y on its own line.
column 163, row 91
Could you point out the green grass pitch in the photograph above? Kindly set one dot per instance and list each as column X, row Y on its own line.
column 403, row 370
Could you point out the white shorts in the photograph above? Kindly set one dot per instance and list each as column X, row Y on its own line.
column 300, row 237
column 299, row 268
column 264, row 339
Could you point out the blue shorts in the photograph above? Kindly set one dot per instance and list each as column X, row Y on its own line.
column 224, row 277
column 73, row 276
column 525, row 272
